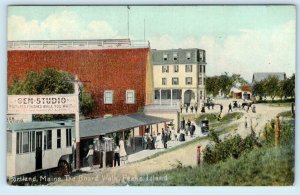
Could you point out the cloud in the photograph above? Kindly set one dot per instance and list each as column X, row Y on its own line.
column 162, row 42
column 99, row 29
column 246, row 52
column 60, row 25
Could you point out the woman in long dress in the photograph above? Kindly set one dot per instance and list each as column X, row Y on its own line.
column 158, row 141
column 122, row 149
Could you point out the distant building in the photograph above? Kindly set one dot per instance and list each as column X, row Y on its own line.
column 242, row 92
column 179, row 76
column 259, row 76
column 118, row 70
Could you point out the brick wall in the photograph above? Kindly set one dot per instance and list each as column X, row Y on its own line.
column 109, row 69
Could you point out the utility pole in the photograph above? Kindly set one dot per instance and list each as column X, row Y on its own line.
column 77, row 134
column 144, row 30
column 128, row 8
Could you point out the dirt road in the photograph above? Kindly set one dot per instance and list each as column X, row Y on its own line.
column 185, row 155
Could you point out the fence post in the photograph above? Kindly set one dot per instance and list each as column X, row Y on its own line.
column 277, row 131
column 198, row 154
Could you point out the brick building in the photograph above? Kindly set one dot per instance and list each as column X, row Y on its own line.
column 119, row 71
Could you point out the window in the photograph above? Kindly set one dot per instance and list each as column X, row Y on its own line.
column 165, row 57
column 19, row 143
column 188, row 80
column 201, row 94
column 188, row 55
column 203, row 69
column 58, row 133
column 9, row 141
column 32, row 135
column 164, row 81
column 175, row 81
column 188, row 68
column 176, row 68
column 165, row 68
column 68, row 137
column 48, row 140
column 175, row 56
column 25, row 142
column 165, row 94
column 201, row 55
column 108, row 97
column 200, row 82
column 200, row 68
column 156, row 94
column 130, row 97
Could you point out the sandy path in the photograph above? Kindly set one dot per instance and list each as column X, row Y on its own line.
column 186, row 155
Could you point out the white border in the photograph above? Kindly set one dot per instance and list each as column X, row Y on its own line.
column 6, row 189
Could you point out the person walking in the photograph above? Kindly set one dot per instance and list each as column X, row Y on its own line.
column 181, row 107
column 188, row 123
column 193, row 129
column 229, row 107
column 221, row 108
column 90, row 156
column 165, row 139
column 246, row 122
column 117, row 156
column 192, row 108
column 183, row 123
column 203, row 109
column 196, row 108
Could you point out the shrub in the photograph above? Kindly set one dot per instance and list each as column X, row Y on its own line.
column 232, row 147
column 232, row 116
column 211, row 117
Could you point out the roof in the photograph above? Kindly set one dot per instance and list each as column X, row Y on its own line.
column 94, row 127
column 36, row 125
column 259, row 76
column 158, row 56
column 245, row 88
column 102, row 126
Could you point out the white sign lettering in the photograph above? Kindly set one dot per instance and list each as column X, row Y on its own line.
column 42, row 104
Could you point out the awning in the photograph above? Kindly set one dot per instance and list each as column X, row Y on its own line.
column 102, row 126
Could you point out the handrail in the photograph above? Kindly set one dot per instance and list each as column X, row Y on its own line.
column 77, row 44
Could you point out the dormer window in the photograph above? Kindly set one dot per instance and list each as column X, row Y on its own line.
column 188, row 55
column 165, row 57
column 175, row 56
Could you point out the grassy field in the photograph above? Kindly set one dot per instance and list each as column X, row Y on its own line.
column 262, row 166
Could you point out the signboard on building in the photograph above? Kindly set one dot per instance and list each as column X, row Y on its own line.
column 42, row 104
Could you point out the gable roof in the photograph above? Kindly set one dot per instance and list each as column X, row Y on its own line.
column 259, row 76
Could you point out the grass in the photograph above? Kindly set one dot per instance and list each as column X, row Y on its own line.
column 286, row 114
column 280, row 104
column 213, row 117
column 261, row 167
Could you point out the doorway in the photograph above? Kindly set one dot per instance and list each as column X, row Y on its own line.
column 38, row 150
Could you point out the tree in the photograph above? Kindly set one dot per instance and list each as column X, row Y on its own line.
column 289, row 87
column 236, row 78
column 51, row 81
column 225, row 83
column 212, row 85
column 271, row 86
column 222, row 83
column 258, row 89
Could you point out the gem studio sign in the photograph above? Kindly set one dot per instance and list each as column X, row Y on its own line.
column 42, row 104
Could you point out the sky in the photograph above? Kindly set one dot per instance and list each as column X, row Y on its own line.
column 237, row 39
